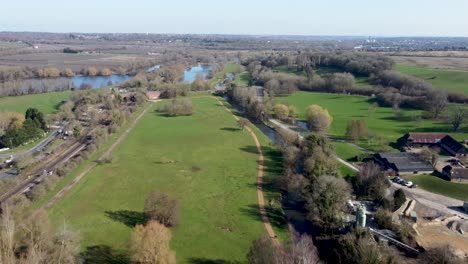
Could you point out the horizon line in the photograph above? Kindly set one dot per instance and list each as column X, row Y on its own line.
column 245, row 34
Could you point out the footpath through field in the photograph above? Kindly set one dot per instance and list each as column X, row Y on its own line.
column 92, row 165
column 261, row 199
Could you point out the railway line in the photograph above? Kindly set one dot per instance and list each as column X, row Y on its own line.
column 37, row 176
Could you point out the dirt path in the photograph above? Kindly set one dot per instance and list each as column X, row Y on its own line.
column 94, row 164
column 261, row 199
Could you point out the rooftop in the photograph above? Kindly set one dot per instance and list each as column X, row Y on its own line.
column 426, row 138
column 405, row 161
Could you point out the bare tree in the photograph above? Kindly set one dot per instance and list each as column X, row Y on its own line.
column 458, row 115
column 436, row 102
column 7, row 237
column 149, row 244
column 162, row 208
column 242, row 123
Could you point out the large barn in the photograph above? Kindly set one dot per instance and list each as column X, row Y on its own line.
column 398, row 163
column 444, row 141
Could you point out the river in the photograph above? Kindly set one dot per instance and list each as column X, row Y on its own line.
column 202, row 70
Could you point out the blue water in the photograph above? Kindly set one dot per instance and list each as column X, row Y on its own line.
column 191, row 74
column 98, row 81
column 155, row 67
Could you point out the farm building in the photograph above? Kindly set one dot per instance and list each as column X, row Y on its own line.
column 398, row 163
column 453, row 147
column 153, row 95
column 444, row 141
column 455, row 174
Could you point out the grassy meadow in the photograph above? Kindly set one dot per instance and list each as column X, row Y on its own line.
column 203, row 161
column 437, row 185
column 381, row 121
column 46, row 102
column 448, row 80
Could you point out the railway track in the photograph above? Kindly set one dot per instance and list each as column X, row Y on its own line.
column 37, row 176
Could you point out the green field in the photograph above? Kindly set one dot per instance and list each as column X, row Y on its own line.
column 437, row 185
column 213, row 176
column 448, row 80
column 219, row 76
column 46, row 102
column 243, row 78
column 381, row 123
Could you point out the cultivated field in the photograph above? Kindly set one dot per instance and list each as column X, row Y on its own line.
column 46, row 103
column 203, row 161
column 448, row 80
column 381, row 121
column 453, row 63
column 64, row 60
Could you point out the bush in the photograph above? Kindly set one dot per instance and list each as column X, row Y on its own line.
column 399, row 198
column 383, row 218
column 179, row 107
column 162, row 208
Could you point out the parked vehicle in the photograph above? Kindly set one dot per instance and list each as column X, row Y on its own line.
column 408, row 184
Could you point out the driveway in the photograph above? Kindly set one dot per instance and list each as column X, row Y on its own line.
column 434, row 201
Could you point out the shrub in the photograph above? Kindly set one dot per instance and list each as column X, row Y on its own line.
column 399, row 198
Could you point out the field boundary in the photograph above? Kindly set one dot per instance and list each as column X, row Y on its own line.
column 261, row 158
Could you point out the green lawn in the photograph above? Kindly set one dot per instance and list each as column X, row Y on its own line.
column 437, row 185
column 213, row 177
column 243, row 78
column 46, row 102
column 219, row 76
column 449, row 80
column 381, row 122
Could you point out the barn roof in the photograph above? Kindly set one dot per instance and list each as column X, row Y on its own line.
column 426, row 138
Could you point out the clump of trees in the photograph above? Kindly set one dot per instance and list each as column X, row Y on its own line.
column 300, row 249
column 371, row 182
column 318, row 119
column 34, row 241
column 326, row 201
column 357, row 247
column 247, row 100
column 179, row 107
column 18, row 132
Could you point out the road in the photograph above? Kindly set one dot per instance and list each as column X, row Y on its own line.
column 38, row 147
column 434, row 201
column 285, row 127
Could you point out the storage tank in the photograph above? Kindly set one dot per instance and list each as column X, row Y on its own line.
column 361, row 216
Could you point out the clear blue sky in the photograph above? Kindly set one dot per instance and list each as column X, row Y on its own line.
column 289, row 17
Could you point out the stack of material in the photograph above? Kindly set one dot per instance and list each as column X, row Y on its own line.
column 460, row 226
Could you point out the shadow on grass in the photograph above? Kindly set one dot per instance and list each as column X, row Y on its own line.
column 273, row 161
column 211, row 261
column 231, row 129
column 129, row 218
column 103, row 254
column 277, row 218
